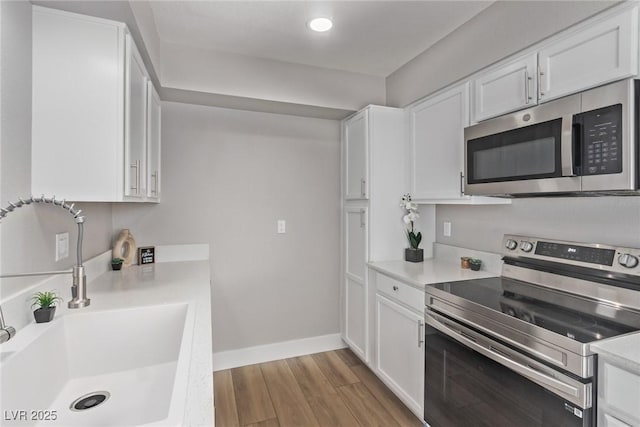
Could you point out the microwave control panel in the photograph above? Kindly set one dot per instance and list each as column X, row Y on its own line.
column 601, row 135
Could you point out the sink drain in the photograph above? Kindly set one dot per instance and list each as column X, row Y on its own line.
column 90, row 400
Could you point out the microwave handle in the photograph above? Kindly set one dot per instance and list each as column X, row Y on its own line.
column 569, row 146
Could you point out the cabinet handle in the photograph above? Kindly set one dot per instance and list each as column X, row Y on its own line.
column 527, row 93
column 540, row 82
column 395, row 288
column 362, row 223
column 363, row 187
column 420, row 333
column 154, row 191
column 136, row 166
column 461, row 184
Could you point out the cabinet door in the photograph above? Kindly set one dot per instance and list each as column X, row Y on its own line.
column 356, row 318
column 355, row 281
column 508, row 88
column 135, row 122
column 356, row 243
column 602, row 53
column 153, row 143
column 356, row 145
column 436, row 144
column 400, row 352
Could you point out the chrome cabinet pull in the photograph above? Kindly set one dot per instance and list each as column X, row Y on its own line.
column 362, row 220
column 540, row 74
column 527, row 92
column 395, row 288
column 363, row 187
column 136, row 166
column 420, row 333
column 154, row 190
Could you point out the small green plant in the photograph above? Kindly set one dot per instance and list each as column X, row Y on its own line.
column 117, row 261
column 45, row 299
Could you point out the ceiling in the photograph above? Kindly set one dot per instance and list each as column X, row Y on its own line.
column 369, row 37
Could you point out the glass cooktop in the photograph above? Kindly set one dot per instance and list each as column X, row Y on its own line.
column 580, row 319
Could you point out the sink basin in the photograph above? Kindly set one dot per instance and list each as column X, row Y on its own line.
column 139, row 356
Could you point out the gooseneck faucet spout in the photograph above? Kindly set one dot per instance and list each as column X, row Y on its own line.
column 78, row 289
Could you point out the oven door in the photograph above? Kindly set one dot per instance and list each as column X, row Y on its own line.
column 472, row 380
column 526, row 152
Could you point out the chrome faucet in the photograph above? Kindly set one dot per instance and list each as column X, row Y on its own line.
column 6, row 332
column 78, row 289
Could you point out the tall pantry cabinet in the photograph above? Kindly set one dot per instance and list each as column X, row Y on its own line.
column 372, row 228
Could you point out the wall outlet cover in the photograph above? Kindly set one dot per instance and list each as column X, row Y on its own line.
column 62, row 246
column 447, row 229
column 282, row 226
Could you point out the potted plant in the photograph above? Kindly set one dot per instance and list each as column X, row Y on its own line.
column 116, row 263
column 475, row 264
column 46, row 303
column 413, row 253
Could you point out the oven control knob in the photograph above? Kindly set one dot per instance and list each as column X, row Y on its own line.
column 627, row 260
column 511, row 244
column 526, row 246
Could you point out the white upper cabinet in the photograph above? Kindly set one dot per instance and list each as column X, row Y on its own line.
column 596, row 54
column 135, row 140
column 154, row 126
column 89, row 110
column 356, row 146
column 436, row 144
column 510, row 87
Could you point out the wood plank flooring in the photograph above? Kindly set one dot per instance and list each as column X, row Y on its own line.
column 330, row 389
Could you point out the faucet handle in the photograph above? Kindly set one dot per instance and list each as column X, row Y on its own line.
column 7, row 333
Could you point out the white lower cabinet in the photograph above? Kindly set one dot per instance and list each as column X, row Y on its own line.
column 399, row 334
column 618, row 395
column 355, row 331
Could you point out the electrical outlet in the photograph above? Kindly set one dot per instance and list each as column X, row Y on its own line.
column 282, row 226
column 62, row 246
column 447, row 229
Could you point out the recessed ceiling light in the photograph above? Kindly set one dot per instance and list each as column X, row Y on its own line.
column 320, row 24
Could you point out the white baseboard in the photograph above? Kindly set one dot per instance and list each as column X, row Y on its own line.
column 281, row 350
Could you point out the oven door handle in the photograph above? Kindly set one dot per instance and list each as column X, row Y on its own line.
column 578, row 395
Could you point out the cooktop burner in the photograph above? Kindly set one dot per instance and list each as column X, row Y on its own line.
column 578, row 318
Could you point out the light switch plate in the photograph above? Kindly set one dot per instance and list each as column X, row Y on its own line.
column 62, row 246
column 447, row 229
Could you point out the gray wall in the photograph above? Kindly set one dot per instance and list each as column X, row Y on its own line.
column 228, row 175
column 27, row 236
column 500, row 30
column 612, row 220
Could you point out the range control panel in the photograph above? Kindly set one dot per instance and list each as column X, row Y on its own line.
column 604, row 257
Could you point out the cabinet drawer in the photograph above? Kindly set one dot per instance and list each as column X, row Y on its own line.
column 611, row 421
column 400, row 292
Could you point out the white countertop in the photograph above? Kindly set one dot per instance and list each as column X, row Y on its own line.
column 624, row 351
column 444, row 267
column 168, row 283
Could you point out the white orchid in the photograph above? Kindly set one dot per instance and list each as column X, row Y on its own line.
column 410, row 216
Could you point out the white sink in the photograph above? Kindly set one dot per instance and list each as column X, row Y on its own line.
column 140, row 356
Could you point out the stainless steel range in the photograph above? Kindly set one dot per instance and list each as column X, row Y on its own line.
column 514, row 350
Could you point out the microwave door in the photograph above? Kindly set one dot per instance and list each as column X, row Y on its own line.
column 526, row 152
column 608, row 134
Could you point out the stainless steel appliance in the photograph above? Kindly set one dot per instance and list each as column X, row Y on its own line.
column 583, row 143
column 514, row 350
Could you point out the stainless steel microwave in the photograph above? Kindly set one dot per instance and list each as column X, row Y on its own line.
column 582, row 143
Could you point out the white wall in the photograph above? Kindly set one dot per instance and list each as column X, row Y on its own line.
column 502, row 29
column 27, row 236
column 228, row 175
column 236, row 75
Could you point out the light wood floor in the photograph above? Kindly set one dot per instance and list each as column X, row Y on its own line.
column 326, row 389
